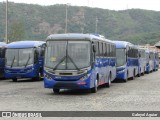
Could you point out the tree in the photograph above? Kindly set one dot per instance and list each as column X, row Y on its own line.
column 16, row 32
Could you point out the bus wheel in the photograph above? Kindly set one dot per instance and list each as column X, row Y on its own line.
column 94, row 89
column 109, row 82
column 143, row 72
column 56, row 91
column 14, row 79
column 139, row 74
column 125, row 80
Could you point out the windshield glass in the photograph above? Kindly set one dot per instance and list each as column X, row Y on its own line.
column 19, row 57
column 121, row 57
column 67, row 55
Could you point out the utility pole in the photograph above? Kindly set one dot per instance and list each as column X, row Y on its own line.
column 6, row 34
column 96, row 24
column 82, row 26
column 66, row 17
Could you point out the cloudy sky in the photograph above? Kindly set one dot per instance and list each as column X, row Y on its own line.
column 105, row 4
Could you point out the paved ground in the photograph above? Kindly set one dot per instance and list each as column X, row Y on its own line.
column 141, row 94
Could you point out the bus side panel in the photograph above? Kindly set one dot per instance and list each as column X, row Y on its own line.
column 113, row 68
column 132, row 64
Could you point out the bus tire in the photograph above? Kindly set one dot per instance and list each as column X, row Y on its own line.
column 139, row 74
column 56, row 91
column 125, row 80
column 108, row 84
column 143, row 72
column 14, row 79
column 94, row 89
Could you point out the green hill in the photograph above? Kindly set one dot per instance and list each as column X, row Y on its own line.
column 134, row 25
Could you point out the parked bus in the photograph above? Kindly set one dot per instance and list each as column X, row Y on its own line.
column 156, row 61
column 24, row 59
column 141, row 61
column 150, row 61
column 127, row 60
column 78, row 61
column 2, row 58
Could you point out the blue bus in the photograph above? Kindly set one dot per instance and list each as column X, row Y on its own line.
column 150, row 61
column 2, row 58
column 127, row 60
column 156, row 61
column 141, row 61
column 78, row 61
column 24, row 59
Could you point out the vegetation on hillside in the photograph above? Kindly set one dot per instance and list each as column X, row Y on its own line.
column 37, row 22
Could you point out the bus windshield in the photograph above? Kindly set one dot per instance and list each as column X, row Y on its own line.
column 67, row 55
column 19, row 57
column 121, row 57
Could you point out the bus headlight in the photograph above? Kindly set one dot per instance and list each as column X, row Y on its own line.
column 7, row 71
column 85, row 77
column 29, row 70
column 121, row 71
column 47, row 76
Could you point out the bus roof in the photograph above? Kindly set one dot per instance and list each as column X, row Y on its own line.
column 122, row 44
column 76, row 36
column 25, row 44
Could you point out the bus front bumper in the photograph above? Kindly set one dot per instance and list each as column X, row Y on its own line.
column 79, row 84
column 29, row 73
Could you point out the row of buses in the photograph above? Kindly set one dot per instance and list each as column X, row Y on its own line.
column 76, row 61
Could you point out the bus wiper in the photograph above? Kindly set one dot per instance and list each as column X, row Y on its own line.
column 27, row 61
column 12, row 62
column 73, row 62
column 59, row 63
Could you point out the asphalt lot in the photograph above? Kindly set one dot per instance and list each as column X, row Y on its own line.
column 140, row 94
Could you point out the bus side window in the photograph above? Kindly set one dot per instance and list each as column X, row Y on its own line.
column 129, row 52
column 100, row 49
column 42, row 50
column 112, row 51
column 36, row 54
column 108, row 50
column 3, row 52
column 97, row 50
column 104, row 49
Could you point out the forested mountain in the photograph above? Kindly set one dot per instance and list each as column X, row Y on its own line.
column 36, row 22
